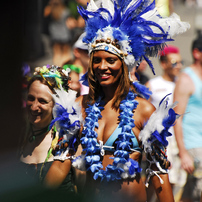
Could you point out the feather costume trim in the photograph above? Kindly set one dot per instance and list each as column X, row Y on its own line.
column 131, row 29
column 142, row 90
column 67, row 119
column 154, row 135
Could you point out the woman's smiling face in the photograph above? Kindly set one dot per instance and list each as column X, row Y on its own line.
column 39, row 105
column 107, row 68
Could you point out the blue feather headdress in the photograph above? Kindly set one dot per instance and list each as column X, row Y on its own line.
column 130, row 29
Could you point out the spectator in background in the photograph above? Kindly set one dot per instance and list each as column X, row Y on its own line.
column 171, row 64
column 60, row 29
column 81, row 60
column 164, row 7
column 139, row 72
column 80, row 21
column 39, row 138
column 81, row 57
column 188, row 130
column 74, row 73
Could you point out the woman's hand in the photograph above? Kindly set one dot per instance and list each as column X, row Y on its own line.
column 187, row 162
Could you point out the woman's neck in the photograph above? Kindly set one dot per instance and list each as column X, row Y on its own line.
column 37, row 129
column 109, row 93
column 37, row 133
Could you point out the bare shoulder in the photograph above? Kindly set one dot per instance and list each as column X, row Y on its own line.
column 184, row 84
column 144, row 108
column 184, row 79
column 81, row 100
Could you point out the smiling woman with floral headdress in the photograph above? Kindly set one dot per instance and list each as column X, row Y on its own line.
column 41, row 135
column 119, row 122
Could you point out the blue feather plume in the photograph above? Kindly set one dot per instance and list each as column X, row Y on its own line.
column 144, row 42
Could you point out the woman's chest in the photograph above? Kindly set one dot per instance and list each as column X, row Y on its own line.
column 107, row 124
column 36, row 151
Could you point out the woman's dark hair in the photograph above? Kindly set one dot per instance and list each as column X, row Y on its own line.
column 163, row 58
column 197, row 43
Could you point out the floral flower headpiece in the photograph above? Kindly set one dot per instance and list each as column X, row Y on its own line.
column 59, row 74
column 130, row 29
column 71, row 67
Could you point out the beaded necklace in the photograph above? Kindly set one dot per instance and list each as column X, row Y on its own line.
column 123, row 166
column 37, row 133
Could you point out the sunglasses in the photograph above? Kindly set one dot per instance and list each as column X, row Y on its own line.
column 175, row 63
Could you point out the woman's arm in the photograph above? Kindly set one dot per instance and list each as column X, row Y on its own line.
column 143, row 112
column 57, row 173
column 60, row 169
column 153, row 137
column 183, row 90
column 67, row 144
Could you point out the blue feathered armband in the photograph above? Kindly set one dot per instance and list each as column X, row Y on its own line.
column 67, row 120
column 154, row 135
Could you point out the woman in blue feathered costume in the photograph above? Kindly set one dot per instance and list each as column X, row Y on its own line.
column 119, row 122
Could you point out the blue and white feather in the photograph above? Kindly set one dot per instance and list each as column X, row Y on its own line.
column 66, row 110
column 154, row 135
column 67, row 118
column 136, row 24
